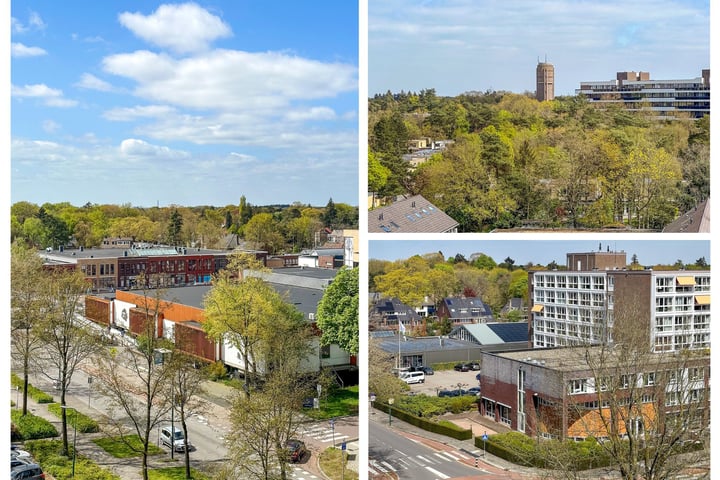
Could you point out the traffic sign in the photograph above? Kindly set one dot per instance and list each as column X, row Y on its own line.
column 485, row 437
column 344, row 447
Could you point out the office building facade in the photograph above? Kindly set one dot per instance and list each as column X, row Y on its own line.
column 666, row 99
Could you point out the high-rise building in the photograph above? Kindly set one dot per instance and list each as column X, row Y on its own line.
column 545, row 80
column 579, row 306
column 665, row 98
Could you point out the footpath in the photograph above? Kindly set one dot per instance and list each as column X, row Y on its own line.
column 217, row 413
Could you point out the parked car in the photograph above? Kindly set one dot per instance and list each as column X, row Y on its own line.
column 473, row 391
column 297, row 450
column 474, row 366
column 174, row 439
column 29, row 471
column 17, row 452
column 16, row 462
column 451, row 393
column 462, row 367
column 412, row 377
column 428, row 371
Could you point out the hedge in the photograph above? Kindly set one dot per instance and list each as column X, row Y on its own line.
column 31, row 427
column 34, row 393
column 84, row 423
column 442, row 429
column 520, row 449
column 47, row 453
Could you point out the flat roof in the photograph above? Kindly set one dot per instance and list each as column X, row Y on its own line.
column 421, row 344
column 565, row 359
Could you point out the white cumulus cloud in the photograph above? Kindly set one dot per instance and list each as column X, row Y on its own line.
column 182, row 28
column 50, row 96
column 18, row 50
column 133, row 147
column 91, row 82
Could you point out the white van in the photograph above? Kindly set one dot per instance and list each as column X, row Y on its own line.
column 412, row 377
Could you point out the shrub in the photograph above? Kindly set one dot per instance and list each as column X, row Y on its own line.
column 217, row 371
column 429, row 406
column 47, row 453
column 32, row 427
column 84, row 423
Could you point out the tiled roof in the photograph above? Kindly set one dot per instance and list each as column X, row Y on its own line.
column 696, row 220
column 411, row 215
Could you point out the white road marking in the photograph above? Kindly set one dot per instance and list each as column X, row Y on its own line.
column 389, row 466
column 439, row 474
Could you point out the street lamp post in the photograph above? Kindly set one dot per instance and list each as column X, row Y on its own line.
column 390, row 404
column 66, row 408
column 17, row 396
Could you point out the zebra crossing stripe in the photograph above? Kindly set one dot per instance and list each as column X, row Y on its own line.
column 389, row 466
column 425, row 459
column 373, row 471
column 447, row 454
column 378, row 466
column 439, row 474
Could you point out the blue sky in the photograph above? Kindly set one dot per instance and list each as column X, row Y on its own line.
column 184, row 103
column 457, row 46
column 542, row 252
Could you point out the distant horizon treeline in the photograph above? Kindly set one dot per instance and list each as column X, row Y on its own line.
column 275, row 228
column 514, row 161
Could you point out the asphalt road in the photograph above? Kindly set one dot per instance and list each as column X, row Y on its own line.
column 390, row 452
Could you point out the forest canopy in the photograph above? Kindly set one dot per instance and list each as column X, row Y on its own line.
column 512, row 161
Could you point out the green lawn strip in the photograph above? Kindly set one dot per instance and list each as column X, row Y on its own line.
column 84, row 423
column 175, row 473
column 340, row 403
column 34, row 393
column 47, row 454
column 119, row 448
column 331, row 465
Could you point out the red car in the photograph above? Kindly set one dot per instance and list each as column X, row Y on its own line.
column 297, row 450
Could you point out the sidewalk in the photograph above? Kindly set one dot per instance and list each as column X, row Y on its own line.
column 219, row 401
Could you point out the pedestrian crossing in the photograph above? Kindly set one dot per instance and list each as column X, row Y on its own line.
column 400, row 461
column 322, row 434
column 300, row 474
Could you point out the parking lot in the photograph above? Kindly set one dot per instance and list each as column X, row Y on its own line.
column 446, row 380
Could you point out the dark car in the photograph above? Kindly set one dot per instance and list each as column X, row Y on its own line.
column 462, row 367
column 297, row 450
column 16, row 462
column 474, row 366
column 428, row 371
column 29, row 471
column 473, row 391
column 451, row 393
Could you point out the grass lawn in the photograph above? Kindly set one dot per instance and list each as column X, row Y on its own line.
column 175, row 473
column 341, row 403
column 118, row 448
column 330, row 463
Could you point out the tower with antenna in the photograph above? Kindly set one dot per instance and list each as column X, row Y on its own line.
column 545, row 81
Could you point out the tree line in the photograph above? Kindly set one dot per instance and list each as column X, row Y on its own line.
column 513, row 161
column 276, row 228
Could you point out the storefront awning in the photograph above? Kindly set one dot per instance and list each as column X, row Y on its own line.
column 685, row 281
column 537, row 308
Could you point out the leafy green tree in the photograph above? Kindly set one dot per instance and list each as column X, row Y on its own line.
column 337, row 313
column 27, row 282
column 67, row 341
column 329, row 216
column 174, row 227
column 235, row 311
